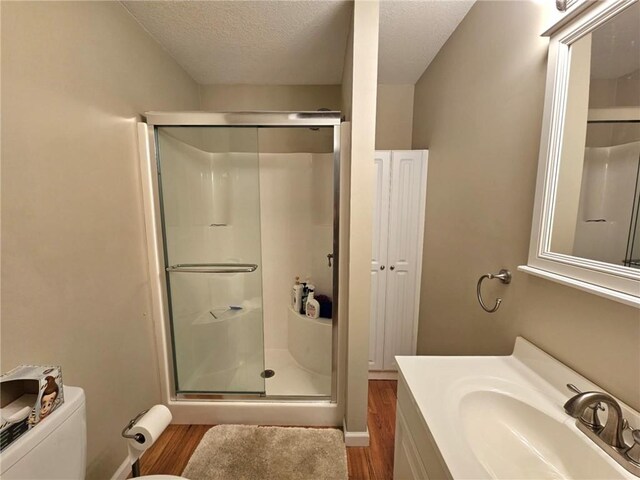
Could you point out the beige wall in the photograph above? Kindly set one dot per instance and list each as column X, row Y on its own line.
column 345, row 221
column 394, row 117
column 614, row 92
column 363, row 126
column 478, row 108
column 346, row 88
column 228, row 98
column 75, row 290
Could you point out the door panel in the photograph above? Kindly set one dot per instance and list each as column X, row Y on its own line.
column 210, row 196
column 379, row 258
column 405, row 207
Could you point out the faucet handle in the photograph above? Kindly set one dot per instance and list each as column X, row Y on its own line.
column 573, row 388
column 633, row 454
column 590, row 414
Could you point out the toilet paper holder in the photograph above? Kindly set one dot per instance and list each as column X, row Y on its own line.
column 138, row 437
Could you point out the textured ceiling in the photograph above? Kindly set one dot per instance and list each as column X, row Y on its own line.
column 279, row 42
column 412, row 33
column 251, row 42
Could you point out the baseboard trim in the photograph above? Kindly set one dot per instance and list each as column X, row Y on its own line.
column 123, row 470
column 355, row 439
column 383, row 375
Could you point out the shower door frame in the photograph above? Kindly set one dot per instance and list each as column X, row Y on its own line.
column 156, row 232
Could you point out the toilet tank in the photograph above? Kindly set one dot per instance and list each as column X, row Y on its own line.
column 56, row 448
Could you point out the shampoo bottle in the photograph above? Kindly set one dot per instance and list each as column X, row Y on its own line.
column 305, row 292
column 313, row 307
column 296, row 295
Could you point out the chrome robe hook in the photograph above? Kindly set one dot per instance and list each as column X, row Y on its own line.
column 504, row 276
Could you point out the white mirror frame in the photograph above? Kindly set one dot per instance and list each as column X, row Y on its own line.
column 607, row 280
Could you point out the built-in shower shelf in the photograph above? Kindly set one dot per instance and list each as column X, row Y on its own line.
column 319, row 319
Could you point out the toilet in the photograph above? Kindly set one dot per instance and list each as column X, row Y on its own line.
column 55, row 448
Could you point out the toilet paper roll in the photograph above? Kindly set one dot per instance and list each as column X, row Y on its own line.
column 150, row 427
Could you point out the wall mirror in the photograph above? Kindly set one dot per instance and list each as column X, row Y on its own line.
column 586, row 225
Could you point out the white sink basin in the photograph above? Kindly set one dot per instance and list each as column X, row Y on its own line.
column 503, row 417
column 513, row 439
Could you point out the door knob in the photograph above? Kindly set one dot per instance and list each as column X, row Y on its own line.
column 392, row 267
column 381, row 267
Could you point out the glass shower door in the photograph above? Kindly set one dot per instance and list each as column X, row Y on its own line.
column 210, row 201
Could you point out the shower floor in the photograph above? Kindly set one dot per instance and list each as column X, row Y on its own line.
column 291, row 378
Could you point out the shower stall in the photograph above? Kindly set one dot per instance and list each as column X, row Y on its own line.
column 237, row 206
column 608, row 222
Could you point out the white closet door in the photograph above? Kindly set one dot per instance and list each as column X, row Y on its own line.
column 379, row 267
column 406, row 224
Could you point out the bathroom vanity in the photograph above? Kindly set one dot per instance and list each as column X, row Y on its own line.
column 496, row 417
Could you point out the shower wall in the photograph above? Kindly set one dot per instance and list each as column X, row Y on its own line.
column 607, row 195
column 296, row 208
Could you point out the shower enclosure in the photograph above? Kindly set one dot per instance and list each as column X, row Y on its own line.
column 243, row 203
column 608, row 226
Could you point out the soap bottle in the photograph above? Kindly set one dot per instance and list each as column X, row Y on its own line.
column 296, row 295
column 313, row 307
column 305, row 292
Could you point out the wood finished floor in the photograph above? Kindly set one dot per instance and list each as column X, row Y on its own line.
column 170, row 454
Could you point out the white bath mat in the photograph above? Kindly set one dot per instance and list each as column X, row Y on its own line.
column 245, row 452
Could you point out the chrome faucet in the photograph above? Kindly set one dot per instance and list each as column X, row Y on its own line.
column 584, row 408
column 611, row 433
column 590, row 414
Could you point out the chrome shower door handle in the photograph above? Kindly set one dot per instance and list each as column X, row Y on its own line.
column 213, row 268
column 504, row 276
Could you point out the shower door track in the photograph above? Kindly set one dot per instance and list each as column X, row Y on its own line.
column 244, row 119
column 234, row 397
column 257, row 119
